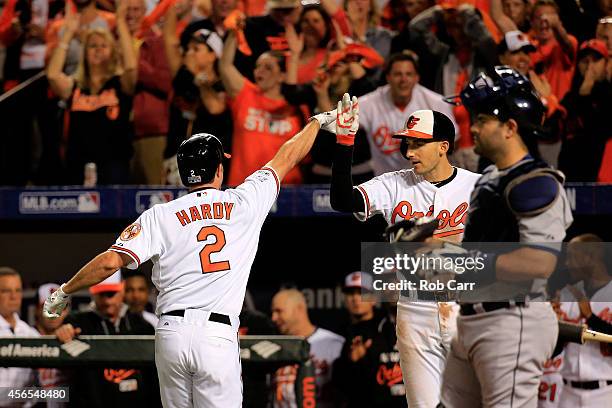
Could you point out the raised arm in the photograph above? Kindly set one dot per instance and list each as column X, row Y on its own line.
column 503, row 22
column 61, row 84
column 296, row 45
column 343, row 197
column 171, row 41
column 296, row 148
column 232, row 79
column 128, row 51
column 421, row 27
column 562, row 36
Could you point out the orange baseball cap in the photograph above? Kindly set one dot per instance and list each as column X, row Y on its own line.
column 594, row 45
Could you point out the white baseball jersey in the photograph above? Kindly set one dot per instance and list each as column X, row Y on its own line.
column 325, row 348
column 16, row 377
column 591, row 361
column 202, row 244
column 403, row 194
column 381, row 118
column 551, row 383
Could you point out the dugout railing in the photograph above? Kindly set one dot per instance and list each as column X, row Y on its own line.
column 139, row 351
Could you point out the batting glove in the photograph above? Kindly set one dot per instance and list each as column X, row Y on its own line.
column 56, row 303
column 327, row 120
column 347, row 120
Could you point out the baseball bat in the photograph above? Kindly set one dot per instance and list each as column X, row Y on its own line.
column 579, row 333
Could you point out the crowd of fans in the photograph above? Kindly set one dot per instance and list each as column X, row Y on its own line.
column 128, row 81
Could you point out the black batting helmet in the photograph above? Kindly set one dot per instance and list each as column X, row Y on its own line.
column 198, row 158
column 506, row 94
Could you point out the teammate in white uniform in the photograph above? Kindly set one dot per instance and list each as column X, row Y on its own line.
column 587, row 368
column 202, row 246
column 431, row 188
column 384, row 111
column 551, row 383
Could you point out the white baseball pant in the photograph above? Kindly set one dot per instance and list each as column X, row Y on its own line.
column 424, row 334
column 576, row 397
column 198, row 361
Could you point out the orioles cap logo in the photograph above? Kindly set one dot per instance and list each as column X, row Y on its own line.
column 130, row 232
column 412, row 121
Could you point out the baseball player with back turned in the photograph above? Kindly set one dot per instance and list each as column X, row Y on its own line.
column 202, row 246
column 498, row 355
column 425, row 324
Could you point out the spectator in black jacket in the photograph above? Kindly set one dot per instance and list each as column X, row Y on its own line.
column 265, row 33
column 113, row 386
column 588, row 104
column 368, row 372
column 198, row 98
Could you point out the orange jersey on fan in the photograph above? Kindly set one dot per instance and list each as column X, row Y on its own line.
column 261, row 126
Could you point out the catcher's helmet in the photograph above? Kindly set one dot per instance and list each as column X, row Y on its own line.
column 198, row 158
column 506, row 94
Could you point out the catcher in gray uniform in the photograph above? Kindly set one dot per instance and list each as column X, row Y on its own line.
column 497, row 357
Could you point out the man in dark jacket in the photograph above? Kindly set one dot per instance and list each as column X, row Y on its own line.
column 367, row 372
column 109, row 387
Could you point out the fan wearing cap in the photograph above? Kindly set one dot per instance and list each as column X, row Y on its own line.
column 432, row 187
column 586, row 151
column 555, row 48
column 109, row 317
column 515, row 51
column 198, row 102
column 367, row 373
column 502, row 339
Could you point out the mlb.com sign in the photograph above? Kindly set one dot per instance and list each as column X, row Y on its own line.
column 65, row 202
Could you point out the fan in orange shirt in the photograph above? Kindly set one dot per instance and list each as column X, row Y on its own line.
column 262, row 118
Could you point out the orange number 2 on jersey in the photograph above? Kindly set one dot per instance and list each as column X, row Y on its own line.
column 207, row 265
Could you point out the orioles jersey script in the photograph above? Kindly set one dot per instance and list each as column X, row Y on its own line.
column 403, row 194
column 202, row 244
column 381, row 119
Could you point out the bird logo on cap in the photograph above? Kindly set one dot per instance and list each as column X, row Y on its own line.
column 412, row 121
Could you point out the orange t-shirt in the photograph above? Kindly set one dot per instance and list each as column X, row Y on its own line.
column 261, row 126
column 253, row 7
column 558, row 66
column 308, row 71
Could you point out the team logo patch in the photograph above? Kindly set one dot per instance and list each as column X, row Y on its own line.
column 130, row 232
column 412, row 121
